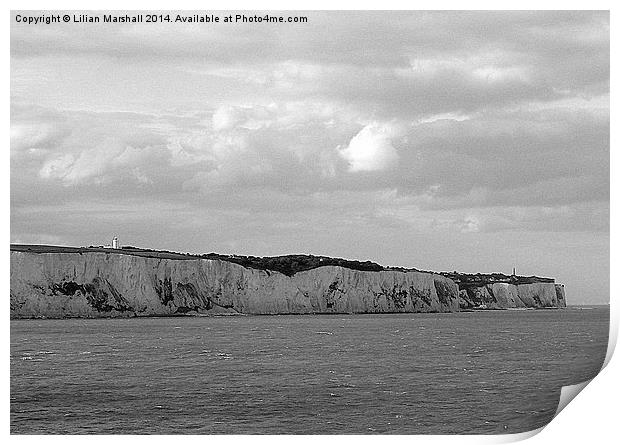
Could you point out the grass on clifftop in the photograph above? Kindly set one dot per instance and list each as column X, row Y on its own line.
column 286, row 264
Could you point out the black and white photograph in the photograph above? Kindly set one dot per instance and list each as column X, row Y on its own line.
column 306, row 222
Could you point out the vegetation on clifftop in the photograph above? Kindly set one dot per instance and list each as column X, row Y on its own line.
column 466, row 281
column 286, row 264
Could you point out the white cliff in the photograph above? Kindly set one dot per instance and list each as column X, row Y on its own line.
column 505, row 295
column 105, row 284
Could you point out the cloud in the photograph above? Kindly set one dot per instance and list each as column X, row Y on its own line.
column 35, row 130
column 77, row 148
column 105, row 160
column 34, row 136
column 525, row 156
column 57, row 167
column 371, row 149
column 226, row 118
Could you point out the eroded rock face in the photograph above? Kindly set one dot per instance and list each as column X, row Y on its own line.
column 560, row 296
column 57, row 285
column 504, row 295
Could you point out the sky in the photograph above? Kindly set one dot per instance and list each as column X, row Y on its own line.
column 469, row 141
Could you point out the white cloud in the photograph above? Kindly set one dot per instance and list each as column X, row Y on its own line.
column 226, row 118
column 249, row 117
column 24, row 136
column 57, row 167
column 109, row 158
column 470, row 224
column 35, row 131
column 371, row 149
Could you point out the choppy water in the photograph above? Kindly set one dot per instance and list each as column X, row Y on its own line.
column 480, row 372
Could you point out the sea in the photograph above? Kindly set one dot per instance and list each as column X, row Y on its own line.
column 485, row 372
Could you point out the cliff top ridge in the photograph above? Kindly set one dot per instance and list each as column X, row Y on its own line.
column 286, row 264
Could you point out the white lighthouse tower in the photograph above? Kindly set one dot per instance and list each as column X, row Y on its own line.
column 115, row 243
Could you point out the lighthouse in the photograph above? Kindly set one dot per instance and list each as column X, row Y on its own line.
column 115, row 243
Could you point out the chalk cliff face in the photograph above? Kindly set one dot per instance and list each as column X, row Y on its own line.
column 505, row 295
column 560, row 296
column 94, row 284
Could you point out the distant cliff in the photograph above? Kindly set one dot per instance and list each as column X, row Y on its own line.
column 499, row 291
column 503, row 296
column 57, row 282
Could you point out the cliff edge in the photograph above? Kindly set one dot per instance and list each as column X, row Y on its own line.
column 62, row 282
column 499, row 291
column 115, row 285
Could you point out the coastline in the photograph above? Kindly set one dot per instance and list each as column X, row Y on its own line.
column 72, row 282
